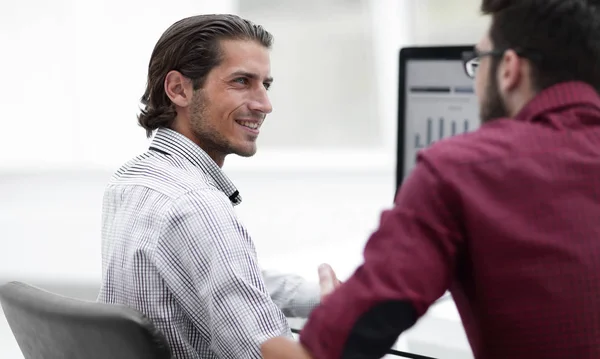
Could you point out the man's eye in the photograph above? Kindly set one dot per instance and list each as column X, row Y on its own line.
column 241, row 80
column 267, row 85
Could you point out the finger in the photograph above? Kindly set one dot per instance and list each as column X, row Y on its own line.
column 327, row 279
column 331, row 273
column 326, row 273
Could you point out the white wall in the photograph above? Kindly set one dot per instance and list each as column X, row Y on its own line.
column 438, row 22
column 73, row 73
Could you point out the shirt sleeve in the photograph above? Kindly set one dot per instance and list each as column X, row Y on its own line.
column 408, row 264
column 294, row 295
column 210, row 264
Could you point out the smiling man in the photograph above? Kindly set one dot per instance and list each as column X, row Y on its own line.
column 172, row 246
column 226, row 109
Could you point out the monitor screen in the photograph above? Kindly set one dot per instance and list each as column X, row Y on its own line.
column 438, row 101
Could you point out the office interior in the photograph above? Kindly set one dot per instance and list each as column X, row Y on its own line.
column 74, row 71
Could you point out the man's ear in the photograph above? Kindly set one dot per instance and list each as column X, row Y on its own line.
column 509, row 74
column 179, row 88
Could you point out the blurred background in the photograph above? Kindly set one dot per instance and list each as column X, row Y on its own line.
column 73, row 72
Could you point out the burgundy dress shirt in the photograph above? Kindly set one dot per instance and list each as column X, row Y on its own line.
column 508, row 218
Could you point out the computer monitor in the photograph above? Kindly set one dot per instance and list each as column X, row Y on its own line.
column 436, row 100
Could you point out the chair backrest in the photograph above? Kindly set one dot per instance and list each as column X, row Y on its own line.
column 50, row 326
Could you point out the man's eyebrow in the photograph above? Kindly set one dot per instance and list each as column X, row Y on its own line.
column 250, row 75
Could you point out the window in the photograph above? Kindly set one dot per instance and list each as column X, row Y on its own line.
column 73, row 97
column 335, row 93
column 324, row 95
column 438, row 22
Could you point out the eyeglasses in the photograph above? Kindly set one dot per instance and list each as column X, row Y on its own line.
column 471, row 58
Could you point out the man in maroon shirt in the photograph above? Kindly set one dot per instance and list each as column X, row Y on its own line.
column 506, row 217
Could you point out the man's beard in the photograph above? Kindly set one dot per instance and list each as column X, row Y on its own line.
column 493, row 106
column 209, row 137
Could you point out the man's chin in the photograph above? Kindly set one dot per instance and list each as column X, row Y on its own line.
column 245, row 152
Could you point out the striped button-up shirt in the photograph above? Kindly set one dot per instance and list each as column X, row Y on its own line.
column 173, row 248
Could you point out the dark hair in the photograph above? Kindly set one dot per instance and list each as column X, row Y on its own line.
column 192, row 47
column 561, row 38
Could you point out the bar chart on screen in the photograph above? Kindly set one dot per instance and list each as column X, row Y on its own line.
column 434, row 114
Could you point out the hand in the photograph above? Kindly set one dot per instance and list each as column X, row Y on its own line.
column 327, row 280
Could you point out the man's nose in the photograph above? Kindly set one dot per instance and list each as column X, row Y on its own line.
column 261, row 102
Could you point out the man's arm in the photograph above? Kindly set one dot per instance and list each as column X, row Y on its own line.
column 210, row 265
column 408, row 264
column 294, row 295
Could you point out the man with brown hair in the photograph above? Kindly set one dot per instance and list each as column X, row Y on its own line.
column 506, row 217
column 172, row 246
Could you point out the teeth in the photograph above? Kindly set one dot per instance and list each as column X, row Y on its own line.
column 252, row 125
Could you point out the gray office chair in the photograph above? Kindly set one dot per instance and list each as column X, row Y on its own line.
column 50, row 326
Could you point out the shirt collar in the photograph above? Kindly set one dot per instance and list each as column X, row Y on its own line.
column 562, row 95
column 173, row 143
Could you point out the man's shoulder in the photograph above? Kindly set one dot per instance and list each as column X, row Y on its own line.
column 201, row 201
column 494, row 141
column 170, row 176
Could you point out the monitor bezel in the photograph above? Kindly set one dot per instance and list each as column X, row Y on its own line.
column 451, row 52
